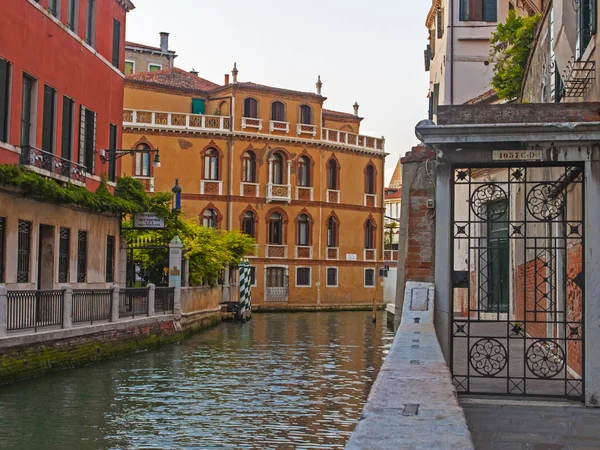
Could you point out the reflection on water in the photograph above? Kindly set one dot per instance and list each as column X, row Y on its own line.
column 280, row 381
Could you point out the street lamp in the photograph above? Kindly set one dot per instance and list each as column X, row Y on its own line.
column 110, row 155
column 176, row 190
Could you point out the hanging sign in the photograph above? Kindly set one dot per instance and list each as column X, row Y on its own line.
column 148, row 220
column 517, row 155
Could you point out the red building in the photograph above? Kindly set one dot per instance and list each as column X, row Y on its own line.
column 61, row 103
column 61, row 84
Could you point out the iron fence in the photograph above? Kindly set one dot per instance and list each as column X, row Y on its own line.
column 41, row 159
column 91, row 305
column 133, row 302
column 34, row 309
column 164, row 300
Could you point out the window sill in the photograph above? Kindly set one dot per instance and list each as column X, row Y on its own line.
column 10, row 148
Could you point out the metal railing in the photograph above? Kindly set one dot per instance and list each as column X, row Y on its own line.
column 54, row 164
column 91, row 305
column 34, row 309
column 133, row 302
column 164, row 300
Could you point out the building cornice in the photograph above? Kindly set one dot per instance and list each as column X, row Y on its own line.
column 437, row 4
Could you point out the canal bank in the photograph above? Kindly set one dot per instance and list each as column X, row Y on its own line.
column 278, row 381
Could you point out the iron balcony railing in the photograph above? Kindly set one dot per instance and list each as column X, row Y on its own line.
column 91, row 305
column 164, row 300
column 133, row 302
column 34, row 309
column 35, row 157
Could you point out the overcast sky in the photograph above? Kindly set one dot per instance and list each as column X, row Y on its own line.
column 370, row 51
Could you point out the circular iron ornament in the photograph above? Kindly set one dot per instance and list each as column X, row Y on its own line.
column 488, row 357
column 545, row 358
column 485, row 194
column 545, row 201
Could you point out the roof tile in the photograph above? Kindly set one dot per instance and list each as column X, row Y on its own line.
column 174, row 78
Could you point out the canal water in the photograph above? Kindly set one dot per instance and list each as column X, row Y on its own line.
column 280, row 381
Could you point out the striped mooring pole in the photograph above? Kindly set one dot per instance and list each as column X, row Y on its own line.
column 245, row 309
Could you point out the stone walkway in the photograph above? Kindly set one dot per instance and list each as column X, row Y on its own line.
column 527, row 424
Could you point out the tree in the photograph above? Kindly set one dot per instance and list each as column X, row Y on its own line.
column 390, row 228
column 510, row 48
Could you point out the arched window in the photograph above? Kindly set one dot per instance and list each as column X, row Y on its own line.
column 210, row 219
column 278, row 112
column 370, row 234
column 332, row 228
column 142, row 161
column 251, row 108
column 277, row 169
column 304, row 171
column 211, row 164
column 303, row 230
column 332, row 175
column 248, row 221
column 249, row 167
column 276, row 229
column 224, row 108
column 370, row 180
column 306, row 115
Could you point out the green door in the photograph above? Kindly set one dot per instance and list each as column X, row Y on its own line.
column 498, row 264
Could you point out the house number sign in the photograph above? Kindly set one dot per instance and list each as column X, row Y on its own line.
column 517, row 155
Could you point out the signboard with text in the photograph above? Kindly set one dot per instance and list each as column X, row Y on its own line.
column 517, row 155
column 148, row 220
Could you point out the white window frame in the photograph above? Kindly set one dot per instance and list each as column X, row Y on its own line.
column 337, row 277
column 129, row 61
column 309, row 285
column 374, row 277
column 155, row 65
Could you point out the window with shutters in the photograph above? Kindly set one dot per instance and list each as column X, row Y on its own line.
column 248, row 223
column 90, row 22
column 110, row 259
column 116, row 51
column 369, row 234
column 306, row 116
column 129, row 67
column 27, row 117
column 479, row 10
column 332, row 277
column 303, row 276
column 278, row 112
column 87, row 139
column 586, row 24
column 2, row 246
column 68, row 117
column 304, row 171
column 332, row 232
column 4, row 98
column 251, row 108
column 142, row 161
column 49, row 119
column 369, row 277
column 440, row 23
column 64, row 259
column 275, row 235
column 249, row 167
column 112, row 142
column 23, row 251
column 82, row 256
column 303, row 232
column 73, row 15
column 211, row 164
column 278, row 176
column 332, row 175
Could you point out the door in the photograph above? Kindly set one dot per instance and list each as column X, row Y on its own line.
column 498, row 263
column 277, row 285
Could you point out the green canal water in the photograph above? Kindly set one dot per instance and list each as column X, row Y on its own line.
column 279, row 381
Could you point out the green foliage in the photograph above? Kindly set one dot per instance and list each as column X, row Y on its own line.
column 510, row 48
column 45, row 189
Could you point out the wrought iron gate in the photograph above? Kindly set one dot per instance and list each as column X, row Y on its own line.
column 147, row 262
column 518, row 281
column 277, row 285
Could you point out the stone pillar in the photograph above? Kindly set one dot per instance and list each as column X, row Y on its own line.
column 270, row 170
column 3, row 311
column 175, row 259
column 592, row 280
column 177, row 301
column 67, row 306
column 185, row 282
column 114, row 312
column 226, row 285
column 151, row 299
column 122, row 274
column 289, row 175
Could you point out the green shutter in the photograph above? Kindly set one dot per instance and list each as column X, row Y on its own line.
column 198, row 106
column 490, row 10
column 464, row 10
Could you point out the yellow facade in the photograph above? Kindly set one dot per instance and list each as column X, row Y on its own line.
column 159, row 116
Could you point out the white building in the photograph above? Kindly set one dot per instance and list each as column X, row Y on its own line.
column 392, row 204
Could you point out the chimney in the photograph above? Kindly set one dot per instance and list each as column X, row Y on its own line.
column 235, row 72
column 226, row 79
column 356, row 106
column 164, row 42
column 194, row 72
column 319, row 85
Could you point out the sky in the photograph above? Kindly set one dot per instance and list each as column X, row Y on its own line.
column 369, row 51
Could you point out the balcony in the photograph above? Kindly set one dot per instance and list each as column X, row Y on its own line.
column 371, row 200
column 147, row 182
column 370, row 254
column 274, row 125
column 53, row 166
column 332, row 253
column 353, row 140
column 210, row 187
column 303, row 128
column 175, row 121
column 276, row 251
column 303, row 252
column 333, row 196
column 251, row 122
column 305, row 193
column 279, row 193
column 249, row 189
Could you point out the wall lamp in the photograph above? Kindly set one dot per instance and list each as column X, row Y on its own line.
column 110, row 155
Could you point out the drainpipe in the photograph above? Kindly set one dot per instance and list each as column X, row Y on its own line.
column 452, row 52
column 320, row 223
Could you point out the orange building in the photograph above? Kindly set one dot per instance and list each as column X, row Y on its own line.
column 274, row 163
